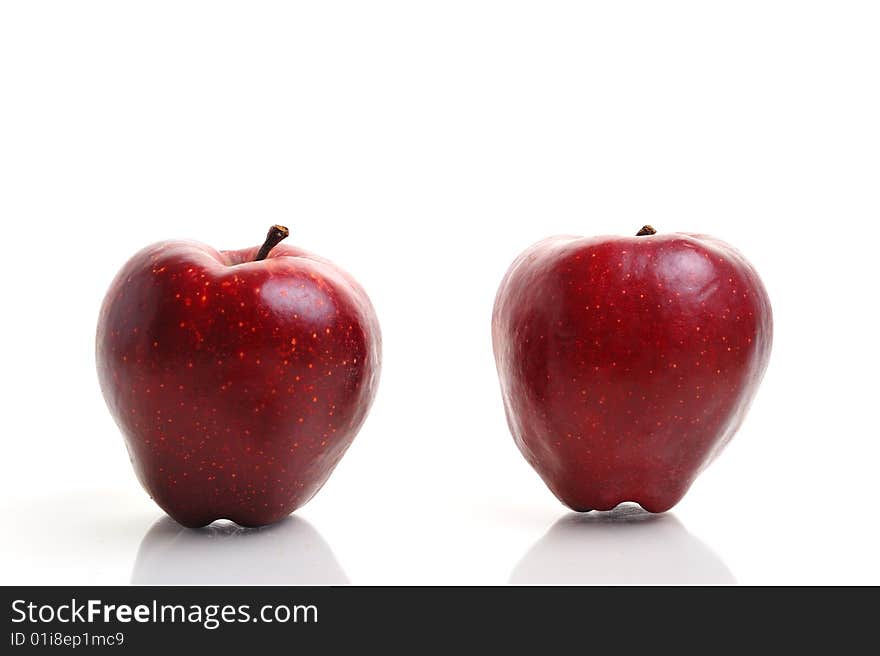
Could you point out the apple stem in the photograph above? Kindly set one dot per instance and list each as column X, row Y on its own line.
column 646, row 231
column 276, row 234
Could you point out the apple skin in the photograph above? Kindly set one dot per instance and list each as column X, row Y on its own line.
column 237, row 384
column 628, row 363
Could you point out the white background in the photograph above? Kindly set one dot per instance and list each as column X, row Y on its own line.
column 422, row 146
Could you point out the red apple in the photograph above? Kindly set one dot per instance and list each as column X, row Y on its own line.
column 628, row 363
column 238, row 378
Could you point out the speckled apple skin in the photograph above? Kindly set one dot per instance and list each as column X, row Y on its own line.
column 238, row 385
column 628, row 363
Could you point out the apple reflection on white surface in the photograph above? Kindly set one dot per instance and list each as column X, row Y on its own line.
column 626, row 545
column 290, row 552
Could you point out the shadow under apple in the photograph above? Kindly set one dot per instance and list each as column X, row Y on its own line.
column 290, row 552
column 626, row 545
